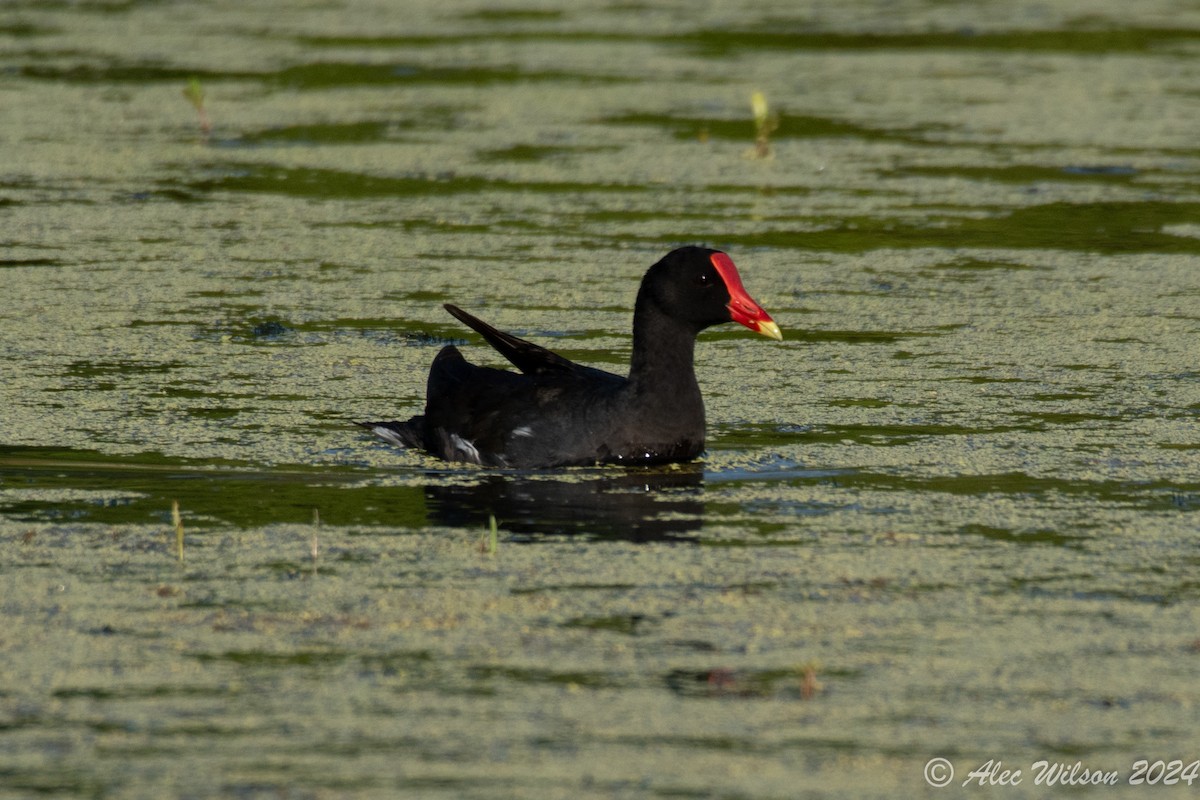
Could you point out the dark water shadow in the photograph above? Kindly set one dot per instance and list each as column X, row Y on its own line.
column 59, row 485
column 630, row 505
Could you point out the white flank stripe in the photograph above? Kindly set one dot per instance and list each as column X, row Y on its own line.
column 388, row 434
column 466, row 448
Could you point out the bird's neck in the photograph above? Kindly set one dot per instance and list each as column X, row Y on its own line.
column 663, row 349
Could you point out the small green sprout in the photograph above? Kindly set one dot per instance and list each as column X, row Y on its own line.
column 195, row 95
column 489, row 541
column 178, row 522
column 765, row 123
column 314, row 543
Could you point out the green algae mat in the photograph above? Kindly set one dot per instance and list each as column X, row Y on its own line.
column 944, row 534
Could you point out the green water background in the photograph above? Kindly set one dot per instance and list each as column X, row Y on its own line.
column 952, row 514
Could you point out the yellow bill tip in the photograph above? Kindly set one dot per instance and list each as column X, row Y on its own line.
column 769, row 328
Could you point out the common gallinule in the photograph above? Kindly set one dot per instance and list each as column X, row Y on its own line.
column 557, row 413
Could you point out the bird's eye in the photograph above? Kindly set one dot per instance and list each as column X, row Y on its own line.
column 702, row 279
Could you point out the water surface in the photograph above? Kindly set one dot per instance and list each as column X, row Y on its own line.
column 952, row 514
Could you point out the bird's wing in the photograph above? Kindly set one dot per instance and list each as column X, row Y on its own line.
column 528, row 357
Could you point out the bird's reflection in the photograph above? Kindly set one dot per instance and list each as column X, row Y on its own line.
column 634, row 505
